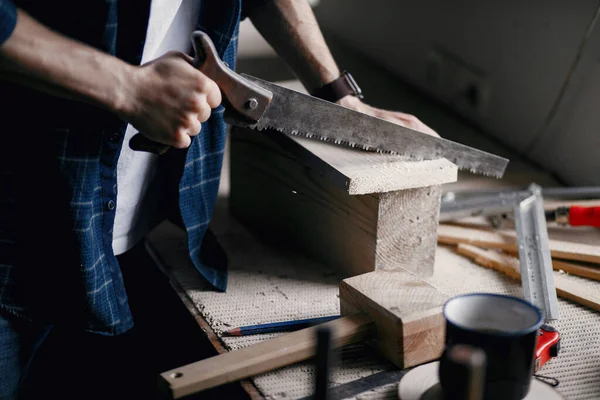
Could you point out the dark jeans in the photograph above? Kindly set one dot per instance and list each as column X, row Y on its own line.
column 53, row 362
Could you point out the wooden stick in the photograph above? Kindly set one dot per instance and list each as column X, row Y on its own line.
column 509, row 265
column 577, row 270
column 448, row 234
column 265, row 356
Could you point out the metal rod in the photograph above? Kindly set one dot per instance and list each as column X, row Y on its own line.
column 537, row 276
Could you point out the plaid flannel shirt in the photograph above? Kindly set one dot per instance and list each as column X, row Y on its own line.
column 58, row 177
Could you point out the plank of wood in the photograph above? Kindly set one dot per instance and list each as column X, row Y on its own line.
column 407, row 312
column 400, row 311
column 361, row 172
column 448, row 234
column 278, row 196
column 583, row 271
column 263, row 357
column 567, row 288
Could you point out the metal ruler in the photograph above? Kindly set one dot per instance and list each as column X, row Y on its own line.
column 535, row 261
column 537, row 277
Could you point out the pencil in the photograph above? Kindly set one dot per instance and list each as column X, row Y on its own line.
column 283, row 326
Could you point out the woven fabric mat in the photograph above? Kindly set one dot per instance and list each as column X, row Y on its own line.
column 267, row 285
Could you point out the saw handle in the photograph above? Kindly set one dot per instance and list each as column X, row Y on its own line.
column 246, row 101
column 265, row 356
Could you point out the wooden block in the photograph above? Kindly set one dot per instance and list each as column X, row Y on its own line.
column 448, row 234
column 570, row 289
column 352, row 210
column 407, row 312
column 400, row 312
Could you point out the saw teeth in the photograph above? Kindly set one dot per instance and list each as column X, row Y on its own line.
column 372, row 149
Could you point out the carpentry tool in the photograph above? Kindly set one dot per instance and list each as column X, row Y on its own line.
column 537, row 277
column 575, row 216
column 283, row 326
column 401, row 312
column 260, row 105
column 547, row 346
column 458, row 205
column 532, row 238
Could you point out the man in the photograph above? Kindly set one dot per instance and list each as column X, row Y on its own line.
column 77, row 80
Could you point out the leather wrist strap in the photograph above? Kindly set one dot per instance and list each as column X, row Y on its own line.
column 341, row 87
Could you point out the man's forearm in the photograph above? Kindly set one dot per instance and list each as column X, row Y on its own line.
column 40, row 58
column 291, row 28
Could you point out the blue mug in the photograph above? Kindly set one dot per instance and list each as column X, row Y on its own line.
column 506, row 329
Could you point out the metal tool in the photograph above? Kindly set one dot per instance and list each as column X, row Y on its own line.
column 495, row 203
column 260, row 105
column 547, row 346
column 537, row 276
column 527, row 206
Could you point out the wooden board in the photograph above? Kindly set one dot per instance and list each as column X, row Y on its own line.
column 583, row 271
column 407, row 312
column 566, row 288
column 448, row 234
column 294, row 204
column 262, row 357
column 361, row 172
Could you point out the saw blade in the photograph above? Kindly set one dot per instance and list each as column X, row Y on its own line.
column 295, row 113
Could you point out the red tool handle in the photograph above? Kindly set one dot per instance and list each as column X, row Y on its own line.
column 547, row 346
column 584, row 216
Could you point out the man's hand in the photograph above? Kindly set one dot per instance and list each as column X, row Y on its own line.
column 167, row 99
column 291, row 28
column 407, row 120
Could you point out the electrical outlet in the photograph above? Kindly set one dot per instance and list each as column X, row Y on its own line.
column 462, row 86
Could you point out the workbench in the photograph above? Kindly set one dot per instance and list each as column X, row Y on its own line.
column 268, row 284
column 271, row 283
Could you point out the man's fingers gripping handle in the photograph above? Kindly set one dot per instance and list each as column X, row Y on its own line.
column 248, row 100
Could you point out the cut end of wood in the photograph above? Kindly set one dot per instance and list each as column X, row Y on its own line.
column 406, row 310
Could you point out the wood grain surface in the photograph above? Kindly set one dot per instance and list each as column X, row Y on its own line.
column 570, row 289
column 363, row 172
column 278, row 196
column 448, row 234
column 407, row 312
column 266, row 356
column 407, row 230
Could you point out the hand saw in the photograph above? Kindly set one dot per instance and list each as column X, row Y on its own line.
column 257, row 104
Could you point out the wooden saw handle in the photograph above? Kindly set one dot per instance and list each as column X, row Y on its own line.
column 245, row 100
column 263, row 357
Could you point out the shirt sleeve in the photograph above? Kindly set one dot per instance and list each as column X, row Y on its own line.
column 8, row 20
column 250, row 5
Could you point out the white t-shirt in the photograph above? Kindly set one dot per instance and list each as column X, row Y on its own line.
column 169, row 28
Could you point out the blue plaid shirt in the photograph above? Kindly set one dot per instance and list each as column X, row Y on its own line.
column 58, row 177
